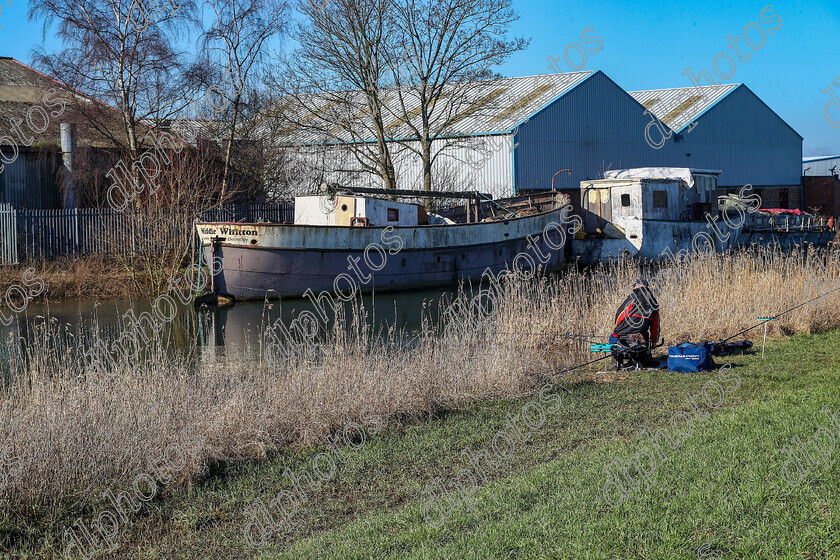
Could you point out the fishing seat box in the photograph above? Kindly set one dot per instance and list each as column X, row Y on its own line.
column 689, row 358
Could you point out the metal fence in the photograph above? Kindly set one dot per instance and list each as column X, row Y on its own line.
column 46, row 234
column 8, row 235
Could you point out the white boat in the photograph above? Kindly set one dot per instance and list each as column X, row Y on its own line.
column 655, row 213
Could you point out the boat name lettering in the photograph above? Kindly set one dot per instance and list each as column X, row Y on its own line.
column 234, row 231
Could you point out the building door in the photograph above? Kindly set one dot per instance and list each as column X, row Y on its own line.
column 783, row 198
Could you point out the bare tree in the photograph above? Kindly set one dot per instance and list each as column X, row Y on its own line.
column 445, row 47
column 236, row 40
column 120, row 52
column 332, row 84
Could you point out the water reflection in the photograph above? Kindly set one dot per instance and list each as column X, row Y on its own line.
column 75, row 325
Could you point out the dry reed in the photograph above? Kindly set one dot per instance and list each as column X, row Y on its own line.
column 76, row 432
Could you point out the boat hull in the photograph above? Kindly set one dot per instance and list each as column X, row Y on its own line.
column 661, row 240
column 260, row 261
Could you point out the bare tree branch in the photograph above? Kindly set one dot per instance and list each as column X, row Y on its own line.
column 237, row 40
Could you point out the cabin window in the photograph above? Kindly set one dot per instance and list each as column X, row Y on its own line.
column 625, row 200
column 393, row 214
column 660, row 199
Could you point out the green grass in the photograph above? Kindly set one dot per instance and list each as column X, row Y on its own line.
column 720, row 494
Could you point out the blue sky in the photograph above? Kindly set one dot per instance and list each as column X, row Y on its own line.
column 649, row 45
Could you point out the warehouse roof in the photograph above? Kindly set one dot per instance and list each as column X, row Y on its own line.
column 679, row 107
column 23, row 88
column 490, row 107
column 191, row 130
column 818, row 158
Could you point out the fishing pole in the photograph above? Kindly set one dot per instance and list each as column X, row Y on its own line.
column 573, row 336
column 764, row 320
column 580, row 365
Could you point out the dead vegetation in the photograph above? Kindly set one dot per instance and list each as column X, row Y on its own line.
column 74, row 431
column 92, row 276
column 67, row 277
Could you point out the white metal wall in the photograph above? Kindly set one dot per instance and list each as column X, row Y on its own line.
column 481, row 163
column 821, row 168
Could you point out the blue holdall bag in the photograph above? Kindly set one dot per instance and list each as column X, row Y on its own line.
column 689, row 358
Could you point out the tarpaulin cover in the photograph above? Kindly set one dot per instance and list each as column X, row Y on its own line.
column 683, row 173
column 777, row 211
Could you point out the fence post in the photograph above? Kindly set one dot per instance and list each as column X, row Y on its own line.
column 76, row 230
column 8, row 234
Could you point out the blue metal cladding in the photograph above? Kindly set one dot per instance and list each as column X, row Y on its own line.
column 594, row 127
column 744, row 139
column 31, row 180
column 598, row 126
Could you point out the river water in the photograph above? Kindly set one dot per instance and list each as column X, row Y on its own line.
column 206, row 332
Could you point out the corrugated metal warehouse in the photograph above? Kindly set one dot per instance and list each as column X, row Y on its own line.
column 820, row 166
column 585, row 122
column 727, row 127
column 535, row 127
column 592, row 127
column 479, row 150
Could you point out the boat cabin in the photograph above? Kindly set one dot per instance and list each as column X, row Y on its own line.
column 349, row 210
column 616, row 205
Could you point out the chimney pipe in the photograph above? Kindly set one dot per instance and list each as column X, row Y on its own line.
column 68, row 147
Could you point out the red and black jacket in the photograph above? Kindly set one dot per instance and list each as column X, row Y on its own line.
column 639, row 313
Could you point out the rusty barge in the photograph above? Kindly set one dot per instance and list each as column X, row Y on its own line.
column 344, row 241
column 343, row 244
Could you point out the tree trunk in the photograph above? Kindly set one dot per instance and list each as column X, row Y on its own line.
column 426, row 145
column 386, row 164
column 427, row 172
column 229, row 150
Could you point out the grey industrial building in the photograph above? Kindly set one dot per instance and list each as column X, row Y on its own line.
column 820, row 166
column 515, row 137
column 727, row 127
column 585, row 122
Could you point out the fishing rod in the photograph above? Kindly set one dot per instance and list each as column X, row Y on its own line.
column 580, row 365
column 569, row 335
column 765, row 319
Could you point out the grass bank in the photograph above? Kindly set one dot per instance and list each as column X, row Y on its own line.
column 720, row 494
column 78, row 428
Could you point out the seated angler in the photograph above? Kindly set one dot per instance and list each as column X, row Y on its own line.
column 637, row 324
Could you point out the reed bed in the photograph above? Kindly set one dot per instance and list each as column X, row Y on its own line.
column 73, row 430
